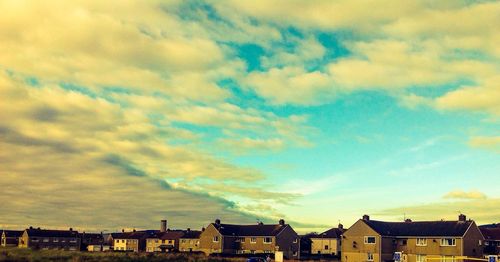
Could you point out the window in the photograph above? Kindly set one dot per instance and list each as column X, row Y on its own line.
column 404, row 242
column 268, row 240
column 295, row 253
column 253, row 240
column 369, row 240
column 448, row 242
column 216, row 239
column 421, row 242
column 369, row 257
column 268, row 251
column 421, row 258
column 480, row 242
column 326, row 247
column 55, row 240
column 295, row 240
column 45, row 240
column 73, row 240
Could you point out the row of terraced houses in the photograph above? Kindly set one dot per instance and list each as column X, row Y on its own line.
column 366, row 240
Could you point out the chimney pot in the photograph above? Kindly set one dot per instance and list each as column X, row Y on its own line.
column 341, row 226
column 217, row 221
column 282, row 222
column 462, row 218
column 408, row 220
column 366, row 217
column 123, row 230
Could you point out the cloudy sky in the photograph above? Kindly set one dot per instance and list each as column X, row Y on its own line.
column 118, row 114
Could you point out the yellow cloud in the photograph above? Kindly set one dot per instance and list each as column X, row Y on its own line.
column 459, row 194
column 487, row 142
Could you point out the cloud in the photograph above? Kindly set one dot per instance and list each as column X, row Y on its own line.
column 486, row 142
column 481, row 98
column 481, row 210
column 459, row 194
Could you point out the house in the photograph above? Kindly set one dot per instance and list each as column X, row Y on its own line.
column 36, row 238
column 491, row 235
column 94, row 239
column 164, row 241
column 134, row 241
column 220, row 238
column 328, row 242
column 10, row 238
column 371, row 240
column 190, row 241
column 306, row 244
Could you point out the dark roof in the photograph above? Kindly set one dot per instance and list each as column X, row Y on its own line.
column 171, row 234
column 249, row 230
column 330, row 233
column 490, row 233
column 494, row 225
column 12, row 233
column 35, row 232
column 192, row 234
column 132, row 235
column 420, row 228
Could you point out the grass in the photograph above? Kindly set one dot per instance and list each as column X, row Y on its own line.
column 24, row 254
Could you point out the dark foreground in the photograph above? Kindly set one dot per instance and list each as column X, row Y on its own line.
column 23, row 254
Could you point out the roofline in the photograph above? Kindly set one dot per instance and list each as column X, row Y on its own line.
column 283, row 229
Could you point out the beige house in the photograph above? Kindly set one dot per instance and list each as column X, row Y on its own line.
column 250, row 239
column 164, row 241
column 370, row 240
column 130, row 241
column 190, row 241
column 328, row 242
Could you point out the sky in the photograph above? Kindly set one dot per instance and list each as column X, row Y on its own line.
column 117, row 114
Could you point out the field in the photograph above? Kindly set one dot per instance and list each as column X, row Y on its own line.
column 22, row 254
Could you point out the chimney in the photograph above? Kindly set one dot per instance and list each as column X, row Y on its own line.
column 282, row 222
column 202, row 229
column 217, row 222
column 188, row 229
column 366, row 217
column 70, row 229
column 260, row 223
column 163, row 226
column 462, row 218
column 123, row 230
column 341, row 226
column 408, row 220
column 31, row 227
column 133, row 230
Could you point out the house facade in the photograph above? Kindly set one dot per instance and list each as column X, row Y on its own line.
column 328, row 242
column 36, row 238
column 250, row 239
column 190, row 241
column 10, row 238
column 371, row 240
column 491, row 235
column 164, row 241
column 130, row 241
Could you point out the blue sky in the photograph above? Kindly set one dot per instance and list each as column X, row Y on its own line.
column 312, row 111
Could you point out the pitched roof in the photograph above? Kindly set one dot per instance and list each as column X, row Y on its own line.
column 490, row 233
column 12, row 233
column 171, row 234
column 249, row 230
column 35, row 232
column 132, row 235
column 191, row 234
column 420, row 228
column 330, row 233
